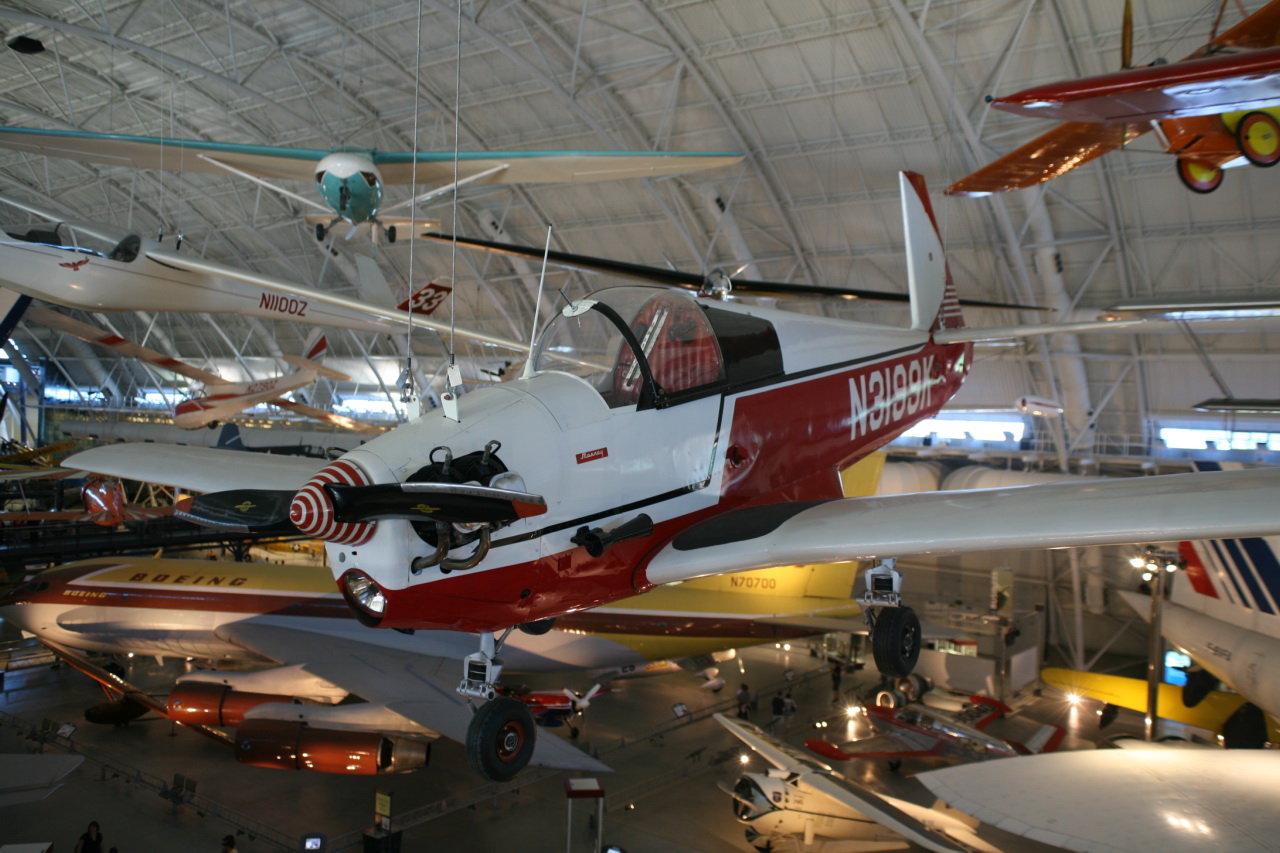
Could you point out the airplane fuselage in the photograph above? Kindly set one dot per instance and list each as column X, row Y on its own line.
column 814, row 395
column 79, row 278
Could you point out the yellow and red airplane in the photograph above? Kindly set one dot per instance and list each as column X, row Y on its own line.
column 1216, row 109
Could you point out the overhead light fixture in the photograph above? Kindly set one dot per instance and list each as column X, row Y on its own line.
column 26, row 44
column 1239, row 406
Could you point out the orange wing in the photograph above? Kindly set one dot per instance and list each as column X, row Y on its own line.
column 1066, row 147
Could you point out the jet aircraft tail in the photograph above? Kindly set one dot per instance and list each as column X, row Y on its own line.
column 934, row 303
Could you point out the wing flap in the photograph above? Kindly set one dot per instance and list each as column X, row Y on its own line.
column 1051, row 155
column 1222, row 504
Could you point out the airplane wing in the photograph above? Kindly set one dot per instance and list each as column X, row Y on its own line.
column 525, row 167
column 32, row 778
column 298, row 164
column 1053, row 515
column 421, row 688
column 204, row 469
column 1170, row 800
column 926, row 827
column 1051, row 155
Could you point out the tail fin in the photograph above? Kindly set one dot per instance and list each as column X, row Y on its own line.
column 1232, row 579
column 934, row 304
column 317, row 344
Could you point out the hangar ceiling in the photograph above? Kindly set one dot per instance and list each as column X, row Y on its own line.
column 826, row 100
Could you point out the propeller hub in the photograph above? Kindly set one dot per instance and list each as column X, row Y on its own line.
column 312, row 511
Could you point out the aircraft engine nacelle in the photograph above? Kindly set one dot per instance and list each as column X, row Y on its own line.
column 204, row 704
column 296, row 746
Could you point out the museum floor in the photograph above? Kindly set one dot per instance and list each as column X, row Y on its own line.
column 663, row 795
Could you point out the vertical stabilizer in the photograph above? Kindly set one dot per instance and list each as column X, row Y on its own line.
column 934, row 304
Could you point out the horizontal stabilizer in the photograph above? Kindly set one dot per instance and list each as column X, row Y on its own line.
column 999, row 333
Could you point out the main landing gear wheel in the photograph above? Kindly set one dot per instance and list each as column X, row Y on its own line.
column 538, row 628
column 321, row 232
column 500, row 739
column 895, row 641
column 1198, row 177
column 1258, row 135
column 391, row 234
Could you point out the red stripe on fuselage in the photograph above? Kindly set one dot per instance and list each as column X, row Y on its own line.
column 1196, row 572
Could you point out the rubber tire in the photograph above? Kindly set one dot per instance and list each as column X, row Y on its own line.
column 538, row 628
column 895, row 642
column 321, row 232
column 1197, row 185
column 391, row 234
column 500, row 739
column 890, row 699
column 1247, row 123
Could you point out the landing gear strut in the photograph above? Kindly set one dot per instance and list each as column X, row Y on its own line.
column 501, row 735
column 895, row 629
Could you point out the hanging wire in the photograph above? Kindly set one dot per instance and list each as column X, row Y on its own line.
column 406, row 380
column 453, row 254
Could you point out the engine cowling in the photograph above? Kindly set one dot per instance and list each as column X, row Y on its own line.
column 205, row 704
column 296, row 746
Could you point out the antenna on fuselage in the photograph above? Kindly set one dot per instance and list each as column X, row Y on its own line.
column 537, row 309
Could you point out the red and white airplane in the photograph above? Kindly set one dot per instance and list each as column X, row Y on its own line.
column 657, row 437
column 228, row 398
column 1218, row 108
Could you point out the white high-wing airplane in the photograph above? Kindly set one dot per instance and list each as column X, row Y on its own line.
column 802, row 798
column 294, row 618
column 684, row 437
column 145, row 275
column 351, row 180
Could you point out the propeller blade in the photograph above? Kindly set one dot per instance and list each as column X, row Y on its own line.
column 692, row 281
column 242, row 510
column 447, row 502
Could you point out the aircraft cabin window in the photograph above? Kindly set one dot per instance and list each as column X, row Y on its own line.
column 625, row 340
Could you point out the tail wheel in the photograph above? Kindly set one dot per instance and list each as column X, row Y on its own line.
column 500, row 739
column 895, row 641
column 1258, row 135
column 1198, row 177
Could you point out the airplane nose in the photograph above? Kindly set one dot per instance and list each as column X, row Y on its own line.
column 312, row 511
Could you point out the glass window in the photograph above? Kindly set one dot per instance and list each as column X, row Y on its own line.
column 598, row 338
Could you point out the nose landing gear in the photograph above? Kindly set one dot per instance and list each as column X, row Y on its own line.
column 501, row 735
column 895, row 629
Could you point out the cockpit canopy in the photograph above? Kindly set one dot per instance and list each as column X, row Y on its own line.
column 654, row 347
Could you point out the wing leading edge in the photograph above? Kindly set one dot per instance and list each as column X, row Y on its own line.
column 1054, row 515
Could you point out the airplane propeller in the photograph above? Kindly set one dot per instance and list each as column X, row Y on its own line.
column 583, row 702
column 241, row 510
column 453, row 503
column 717, row 282
column 267, row 510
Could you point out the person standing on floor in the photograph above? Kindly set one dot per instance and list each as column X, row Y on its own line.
column 788, row 709
column 91, row 841
column 744, row 702
column 779, row 707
